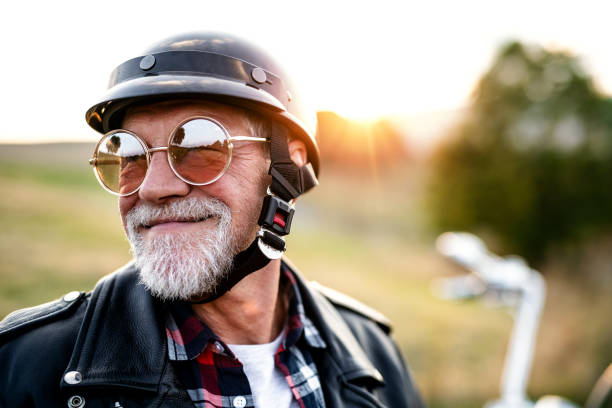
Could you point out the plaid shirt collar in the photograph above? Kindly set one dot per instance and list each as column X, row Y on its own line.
column 188, row 336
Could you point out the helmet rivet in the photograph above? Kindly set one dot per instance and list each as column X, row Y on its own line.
column 147, row 62
column 289, row 97
column 259, row 75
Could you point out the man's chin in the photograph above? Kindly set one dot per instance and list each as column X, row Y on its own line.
column 181, row 280
column 175, row 274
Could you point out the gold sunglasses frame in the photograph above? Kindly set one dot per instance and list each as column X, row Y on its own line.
column 150, row 150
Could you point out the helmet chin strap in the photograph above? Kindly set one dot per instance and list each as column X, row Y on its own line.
column 288, row 182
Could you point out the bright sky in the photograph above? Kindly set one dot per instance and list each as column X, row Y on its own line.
column 362, row 59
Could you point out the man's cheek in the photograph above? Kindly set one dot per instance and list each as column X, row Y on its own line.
column 125, row 205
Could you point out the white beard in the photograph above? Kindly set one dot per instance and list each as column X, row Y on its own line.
column 188, row 265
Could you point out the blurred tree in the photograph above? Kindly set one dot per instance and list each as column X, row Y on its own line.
column 532, row 160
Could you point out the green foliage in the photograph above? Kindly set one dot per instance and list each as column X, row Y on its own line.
column 532, row 161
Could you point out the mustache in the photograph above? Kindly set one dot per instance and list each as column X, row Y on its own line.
column 188, row 209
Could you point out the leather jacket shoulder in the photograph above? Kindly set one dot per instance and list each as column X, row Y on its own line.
column 35, row 346
column 108, row 349
column 340, row 300
column 362, row 366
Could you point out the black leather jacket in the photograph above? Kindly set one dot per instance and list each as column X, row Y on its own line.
column 107, row 348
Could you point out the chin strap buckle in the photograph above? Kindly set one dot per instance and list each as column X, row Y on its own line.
column 275, row 221
column 276, row 215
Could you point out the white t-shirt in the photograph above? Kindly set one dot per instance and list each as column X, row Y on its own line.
column 268, row 384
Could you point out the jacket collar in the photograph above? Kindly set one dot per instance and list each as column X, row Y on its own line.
column 345, row 352
column 122, row 340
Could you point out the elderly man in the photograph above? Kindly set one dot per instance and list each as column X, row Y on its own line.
column 204, row 145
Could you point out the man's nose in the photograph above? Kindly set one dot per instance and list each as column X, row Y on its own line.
column 160, row 183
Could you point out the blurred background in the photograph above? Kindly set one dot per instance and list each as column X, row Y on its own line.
column 493, row 118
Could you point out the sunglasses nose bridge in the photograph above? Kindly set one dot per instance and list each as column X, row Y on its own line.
column 167, row 150
column 158, row 149
column 151, row 151
column 161, row 180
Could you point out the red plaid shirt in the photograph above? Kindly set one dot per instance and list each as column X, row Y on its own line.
column 214, row 377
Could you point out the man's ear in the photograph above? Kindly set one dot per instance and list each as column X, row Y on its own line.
column 297, row 151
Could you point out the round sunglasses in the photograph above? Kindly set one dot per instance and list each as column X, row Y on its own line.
column 199, row 152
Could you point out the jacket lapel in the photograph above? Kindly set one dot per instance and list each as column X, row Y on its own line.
column 121, row 342
column 347, row 374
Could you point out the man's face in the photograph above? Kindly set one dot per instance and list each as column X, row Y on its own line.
column 184, row 237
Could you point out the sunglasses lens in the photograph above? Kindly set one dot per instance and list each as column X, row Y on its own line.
column 121, row 162
column 199, row 151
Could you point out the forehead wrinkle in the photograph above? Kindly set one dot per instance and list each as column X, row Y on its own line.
column 233, row 119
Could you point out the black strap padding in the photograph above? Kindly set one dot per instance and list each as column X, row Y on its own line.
column 246, row 262
column 288, row 180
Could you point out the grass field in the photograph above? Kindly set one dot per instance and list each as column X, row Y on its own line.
column 362, row 235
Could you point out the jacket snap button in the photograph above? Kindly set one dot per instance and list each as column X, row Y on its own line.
column 69, row 297
column 76, row 401
column 239, row 402
column 73, row 377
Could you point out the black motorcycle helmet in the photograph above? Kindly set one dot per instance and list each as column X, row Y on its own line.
column 208, row 65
